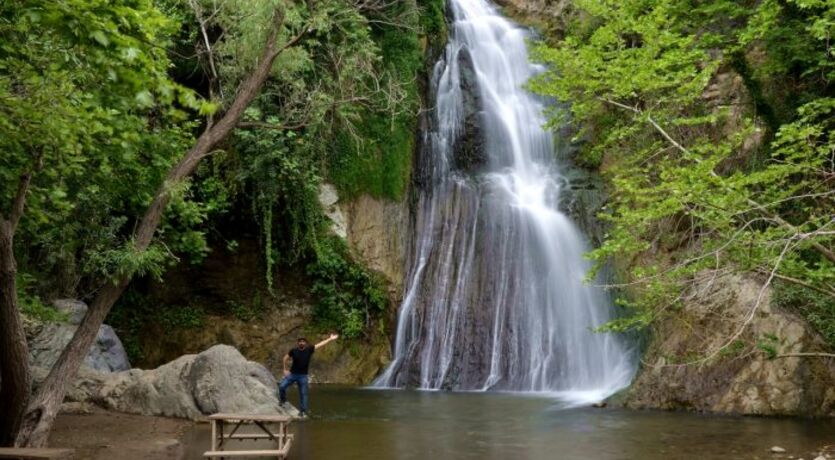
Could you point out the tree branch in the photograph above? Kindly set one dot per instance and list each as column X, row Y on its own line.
column 800, row 355
column 19, row 200
column 198, row 14
column 275, row 126
column 823, row 250
column 789, row 279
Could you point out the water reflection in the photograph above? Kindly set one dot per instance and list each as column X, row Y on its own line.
column 389, row 424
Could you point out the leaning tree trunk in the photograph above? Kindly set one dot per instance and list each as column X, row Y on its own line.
column 15, row 377
column 45, row 405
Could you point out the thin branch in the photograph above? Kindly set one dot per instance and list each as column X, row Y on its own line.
column 798, row 282
column 305, row 29
column 823, row 250
column 209, row 52
column 800, row 355
column 19, row 201
column 275, row 126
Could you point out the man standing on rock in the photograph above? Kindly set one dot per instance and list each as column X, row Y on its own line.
column 297, row 373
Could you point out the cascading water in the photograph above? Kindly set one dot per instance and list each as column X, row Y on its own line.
column 495, row 297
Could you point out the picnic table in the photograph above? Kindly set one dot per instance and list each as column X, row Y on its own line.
column 225, row 427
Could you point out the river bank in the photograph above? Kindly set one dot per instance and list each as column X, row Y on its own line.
column 105, row 435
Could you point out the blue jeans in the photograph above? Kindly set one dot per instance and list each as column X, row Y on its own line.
column 301, row 381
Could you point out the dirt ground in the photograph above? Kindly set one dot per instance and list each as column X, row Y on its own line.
column 103, row 435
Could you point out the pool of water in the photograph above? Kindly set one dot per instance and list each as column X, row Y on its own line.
column 354, row 423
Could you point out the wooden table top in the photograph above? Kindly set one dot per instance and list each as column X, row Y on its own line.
column 252, row 417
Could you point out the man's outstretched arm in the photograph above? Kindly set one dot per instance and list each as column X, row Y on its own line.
column 328, row 340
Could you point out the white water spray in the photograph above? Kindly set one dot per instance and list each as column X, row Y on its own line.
column 495, row 297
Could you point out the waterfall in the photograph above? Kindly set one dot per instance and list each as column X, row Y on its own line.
column 495, row 297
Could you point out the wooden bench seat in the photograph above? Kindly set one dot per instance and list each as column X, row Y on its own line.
column 24, row 453
column 279, row 453
column 255, row 436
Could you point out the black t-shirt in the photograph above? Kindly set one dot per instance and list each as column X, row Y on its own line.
column 301, row 359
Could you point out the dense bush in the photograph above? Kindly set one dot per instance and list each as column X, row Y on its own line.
column 349, row 297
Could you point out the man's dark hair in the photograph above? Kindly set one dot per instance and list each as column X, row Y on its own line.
column 300, row 339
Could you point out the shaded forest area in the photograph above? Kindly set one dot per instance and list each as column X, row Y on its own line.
column 137, row 134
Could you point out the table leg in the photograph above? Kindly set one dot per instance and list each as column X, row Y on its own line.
column 282, row 430
column 214, row 435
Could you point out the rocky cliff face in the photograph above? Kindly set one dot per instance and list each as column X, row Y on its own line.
column 762, row 372
column 378, row 231
column 548, row 17
column 538, row 8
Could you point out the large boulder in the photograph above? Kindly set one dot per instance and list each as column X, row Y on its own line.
column 48, row 340
column 219, row 379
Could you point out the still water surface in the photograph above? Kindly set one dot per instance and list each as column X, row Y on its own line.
column 352, row 423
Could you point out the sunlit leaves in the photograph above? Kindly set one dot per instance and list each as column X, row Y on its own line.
column 691, row 188
column 87, row 105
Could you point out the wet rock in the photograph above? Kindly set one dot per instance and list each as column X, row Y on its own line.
column 469, row 151
column 777, row 450
column 219, row 379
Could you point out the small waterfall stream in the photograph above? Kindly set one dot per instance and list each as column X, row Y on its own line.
column 495, row 297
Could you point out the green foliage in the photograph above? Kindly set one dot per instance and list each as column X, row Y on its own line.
column 87, row 106
column 31, row 304
column 101, row 98
column 349, row 297
column 768, row 344
column 282, row 183
column 135, row 311
column 693, row 193
column 735, row 349
column 432, row 19
column 348, row 119
column 244, row 312
column 185, row 317
column 377, row 162
column 374, row 154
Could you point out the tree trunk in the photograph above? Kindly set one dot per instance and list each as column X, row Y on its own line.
column 45, row 405
column 15, row 378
